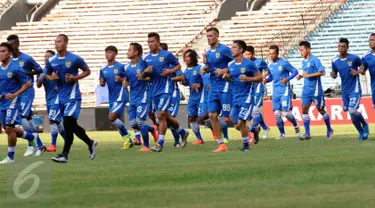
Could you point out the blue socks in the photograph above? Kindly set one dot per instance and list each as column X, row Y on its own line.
column 120, row 127
column 195, row 128
column 161, row 140
column 306, row 123
column 262, row 123
column 144, row 132
column 11, row 151
column 175, row 134
column 54, row 133
column 280, row 123
column 327, row 121
column 224, row 128
column 291, row 118
column 245, row 141
column 149, row 128
column 61, row 130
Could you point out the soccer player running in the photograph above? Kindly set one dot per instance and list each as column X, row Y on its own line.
column 281, row 72
column 113, row 75
column 31, row 68
column 347, row 66
column 258, row 92
column 220, row 98
column 368, row 60
column 53, row 111
column 242, row 74
column 312, row 90
column 176, row 98
column 13, row 82
column 193, row 79
column 63, row 68
column 138, row 94
column 158, row 62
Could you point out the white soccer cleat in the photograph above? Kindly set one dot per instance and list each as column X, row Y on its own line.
column 7, row 160
column 282, row 136
column 265, row 133
column 298, row 132
column 30, row 151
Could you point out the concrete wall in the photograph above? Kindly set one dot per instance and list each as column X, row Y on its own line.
column 17, row 13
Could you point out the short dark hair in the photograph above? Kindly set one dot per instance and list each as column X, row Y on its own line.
column 275, row 47
column 213, row 29
column 305, row 43
column 241, row 44
column 250, row 49
column 155, row 35
column 51, row 52
column 8, row 46
column 138, row 48
column 344, row 40
column 164, row 46
column 372, row 34
column 13, row 37
column 66, row 39
column 111, row 48
column 193, row 56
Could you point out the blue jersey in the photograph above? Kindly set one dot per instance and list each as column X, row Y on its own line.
column 241, row 90
column 206, row 86
column 117, row 93
column 176, row 90
column 279, row 70
column 27, row 63
column 138, row 88
column 62, row 66
column 159, row 62
column 312, row 86
column 262, row 66
column 349, row 84
column 12, row 78
column 192, row 76
column 368, row 60
column 50, row 88
column 218, row 59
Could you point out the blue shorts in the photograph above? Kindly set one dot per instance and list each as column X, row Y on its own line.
column 373, row 96
column 117, row 107
column 193, row 108
column 282, row 102
column 202, row 109
column 163, row 102
column 351, row 101
column 11, row 116
column 54, row 112
column 241, row 111
column 27, row 99
column 257, row 100
column 71, row 108
column 220, row 102
column 175, row 105
column 139, row 110
column 318, row 100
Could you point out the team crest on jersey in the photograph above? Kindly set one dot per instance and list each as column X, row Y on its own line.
column 10, row 74
column 280, row 68
column 217, row 54
column 350, row 63
column 243, row 70
column 115, row 71
column 161, row 59
column 68, row 64
column 194, row 73
column 22, row 63
column 138, row 71
column 308, row 64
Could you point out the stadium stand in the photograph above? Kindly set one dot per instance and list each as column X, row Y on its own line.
column 93, row 24
column 355, row 22
column 4, row 4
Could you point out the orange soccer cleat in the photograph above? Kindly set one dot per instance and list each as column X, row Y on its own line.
column 251, row 138
column 155, row 133
column 198, row 141
column 221, row 148
column 51, row 148
column 144, row 149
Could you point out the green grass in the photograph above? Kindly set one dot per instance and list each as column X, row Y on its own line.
column 286, row 173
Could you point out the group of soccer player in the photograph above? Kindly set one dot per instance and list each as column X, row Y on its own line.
column 227, row 88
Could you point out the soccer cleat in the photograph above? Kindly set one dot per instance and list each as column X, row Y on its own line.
column 256, row 135
column 245, row 149
column 226, row 140
column 361, row 137
column 155, row 133
column 305, row 137
column 366, row 131
column 221, row 148
column 198, row 141
column 60, row 159
column 40, row 151
column 176, row 145
column 7, row 160
column 93, row 149
column 282, row 136
column 157, row 148
column 329, row 134
column 30, row 151
column 51, row 148
column 144, row 149
column 184, row 139
column 136, row 142
column 265, row 133
column 297, row 130
column 251, row 138
column 127, row 143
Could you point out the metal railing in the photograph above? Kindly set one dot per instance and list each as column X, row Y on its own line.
column 30, row 14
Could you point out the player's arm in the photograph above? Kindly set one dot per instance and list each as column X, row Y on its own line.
column 121, row 76
column 357, row 69
column 85, row 72
column 227, row 77
column 171, row 59
column 320, row 69
column 252, row 74
column 22, row 79
column 293, row 73
column 36, row 69
column 40, row 78
column 50, row 74
column 179, row 78
column 334, row 71
column 101, row 78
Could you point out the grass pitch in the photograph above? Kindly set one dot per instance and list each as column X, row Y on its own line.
column 286, row 173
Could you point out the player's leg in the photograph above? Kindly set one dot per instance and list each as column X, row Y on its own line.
column 286, row 107
column 356, row 117
column 173, row 110
column 224, row 117
column 115, row 112
column 306, row 104
column 141, row 116
column 214, row 107
column 320, row 105
column 204, row 117
column 55, row 118
column 193, row 119
column 276, row 107
column 163, row 103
